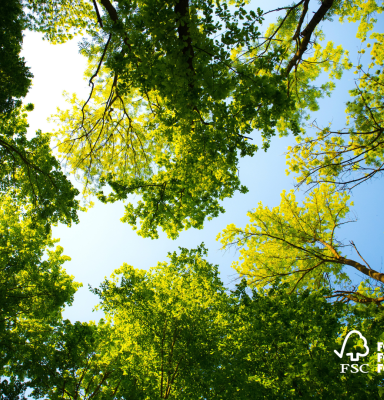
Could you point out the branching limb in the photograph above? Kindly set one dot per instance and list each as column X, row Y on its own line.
column 94, row 76
column 349, row 295
column 301, row 20
column 378, row 276
column 307, row 33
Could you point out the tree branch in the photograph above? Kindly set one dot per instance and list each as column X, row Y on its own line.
column 378, row 276
column 98, row 14
column 307, row 32
column 357, row 251
column 301, row 20
column 182, row 8
column 110, row 9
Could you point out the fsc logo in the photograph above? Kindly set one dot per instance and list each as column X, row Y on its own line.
column 353, row 357
column 354, row 368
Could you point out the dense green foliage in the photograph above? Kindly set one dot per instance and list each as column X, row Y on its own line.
column 174, row 332
column 33, row 291
column 167, row 323
column 30, row 287
column 30, row 171
column 169, row 100
column 72, row 361
column 15, row 77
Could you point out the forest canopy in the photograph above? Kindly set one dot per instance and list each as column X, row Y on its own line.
column 179, row 92
column 185, row 90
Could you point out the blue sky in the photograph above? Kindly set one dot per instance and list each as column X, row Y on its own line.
column 101, row 243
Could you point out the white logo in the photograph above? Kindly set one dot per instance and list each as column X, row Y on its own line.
column 351, row 355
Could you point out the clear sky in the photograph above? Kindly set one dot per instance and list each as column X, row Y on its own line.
column 101, row 243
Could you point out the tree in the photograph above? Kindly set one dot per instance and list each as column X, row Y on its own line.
column 298, row 245
column 33, row 291
column 34, row 193
column 349, row 157
column 30, row 171
column 30, row 287
column 27, row 166
column 73, row 361
column 15, row 77
column 176, row 91
column 154, row 119
column 167, row 323
column 177, row 329
column 280, row 345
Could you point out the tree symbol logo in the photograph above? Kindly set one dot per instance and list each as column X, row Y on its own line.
column 358, row 355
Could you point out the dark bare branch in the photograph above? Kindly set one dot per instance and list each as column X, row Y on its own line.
column 98, row 14
column 357, row 251
column 110, row 9
column 301, row 20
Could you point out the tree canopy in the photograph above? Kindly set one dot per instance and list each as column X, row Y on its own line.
column 298, row 245
column 34, row 194
column 178, row 91
column 174, row 332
